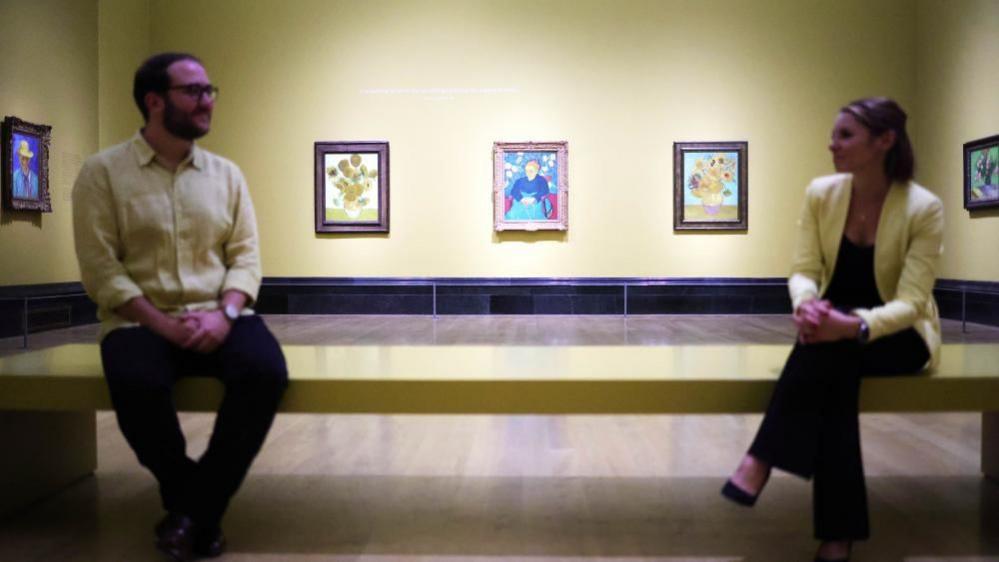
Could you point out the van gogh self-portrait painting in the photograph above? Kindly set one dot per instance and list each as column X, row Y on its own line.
column 26, row 166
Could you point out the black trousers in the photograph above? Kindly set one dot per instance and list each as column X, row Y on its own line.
column 141, row 368
column 812, row 429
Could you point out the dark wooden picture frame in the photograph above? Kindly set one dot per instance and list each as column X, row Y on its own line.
column 981, row 173
column 26, row 146
column 352, row 186
column 710, row 188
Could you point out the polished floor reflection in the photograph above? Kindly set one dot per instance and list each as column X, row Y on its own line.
column 533, row 488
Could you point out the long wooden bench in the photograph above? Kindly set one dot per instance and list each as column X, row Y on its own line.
column 48, row 398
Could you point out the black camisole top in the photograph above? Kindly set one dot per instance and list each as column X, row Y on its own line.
column 852, row 285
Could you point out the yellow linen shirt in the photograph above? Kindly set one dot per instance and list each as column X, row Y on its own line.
column 179, row 238
column 907, row 247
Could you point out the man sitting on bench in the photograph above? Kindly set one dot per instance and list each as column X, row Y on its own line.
column 167, row 244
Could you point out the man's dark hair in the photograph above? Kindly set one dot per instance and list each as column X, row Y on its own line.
column 152, row 77
column 884, row 114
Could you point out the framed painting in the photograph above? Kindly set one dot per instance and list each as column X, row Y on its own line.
column 352, row 186
column 26, row 165
column 981, row 173
column 710, row 191
column 530, row 185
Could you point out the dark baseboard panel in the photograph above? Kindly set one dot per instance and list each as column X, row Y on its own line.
column 589, row 295
column 58, row 305
column 49, row 306
column 974, row 301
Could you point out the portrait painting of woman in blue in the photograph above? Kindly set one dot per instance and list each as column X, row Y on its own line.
column 531, row 186
column 25, row 166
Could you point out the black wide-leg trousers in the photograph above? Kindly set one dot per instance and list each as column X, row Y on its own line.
column 141, row 368
column 812, row 429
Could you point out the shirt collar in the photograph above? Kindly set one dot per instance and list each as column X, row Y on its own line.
column 197, row 157
column 144, row 154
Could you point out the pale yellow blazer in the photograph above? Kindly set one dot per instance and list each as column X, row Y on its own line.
column 906, row 250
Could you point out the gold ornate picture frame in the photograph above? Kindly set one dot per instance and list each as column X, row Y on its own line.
column 26, row 165
column 531, row 186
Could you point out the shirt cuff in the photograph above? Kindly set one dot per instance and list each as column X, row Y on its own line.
column 114, row 296
column 244, row 282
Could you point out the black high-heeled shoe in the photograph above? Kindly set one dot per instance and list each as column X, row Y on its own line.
column 738, row 495
column 849, row 550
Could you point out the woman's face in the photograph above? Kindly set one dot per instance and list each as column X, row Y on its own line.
column 854, row 148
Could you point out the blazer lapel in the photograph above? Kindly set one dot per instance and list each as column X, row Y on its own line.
column 836, row 221
column 889, row 243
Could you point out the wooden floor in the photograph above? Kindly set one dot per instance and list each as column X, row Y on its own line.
column 534, row 488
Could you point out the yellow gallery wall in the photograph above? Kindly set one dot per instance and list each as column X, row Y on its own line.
column 124, row 42
column 620, row 81
column 49, row 76
column 958, row 101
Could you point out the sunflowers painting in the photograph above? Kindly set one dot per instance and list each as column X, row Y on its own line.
column 352, row 187
column 710, row 186
column 352, row 196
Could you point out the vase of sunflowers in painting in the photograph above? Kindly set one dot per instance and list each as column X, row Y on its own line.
column 707, row 183
column 353, row 180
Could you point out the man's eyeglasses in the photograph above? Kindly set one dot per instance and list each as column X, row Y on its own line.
column 195, row 91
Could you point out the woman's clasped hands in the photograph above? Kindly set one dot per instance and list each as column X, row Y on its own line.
column 817, row 322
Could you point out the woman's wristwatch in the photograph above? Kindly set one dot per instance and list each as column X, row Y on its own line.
column 864, row 333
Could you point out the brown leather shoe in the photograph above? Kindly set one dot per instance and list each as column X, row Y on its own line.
column 175, row 537
column 209, row 543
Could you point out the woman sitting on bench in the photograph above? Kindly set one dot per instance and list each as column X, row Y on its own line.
column 861, row 284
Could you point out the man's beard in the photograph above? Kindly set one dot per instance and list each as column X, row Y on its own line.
column 180, row 124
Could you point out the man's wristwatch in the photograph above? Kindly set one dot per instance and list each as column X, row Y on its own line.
column 864, row 333
column 231, row 312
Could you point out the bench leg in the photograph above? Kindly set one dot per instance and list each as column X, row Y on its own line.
column 990, row 445
column 44, row 452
